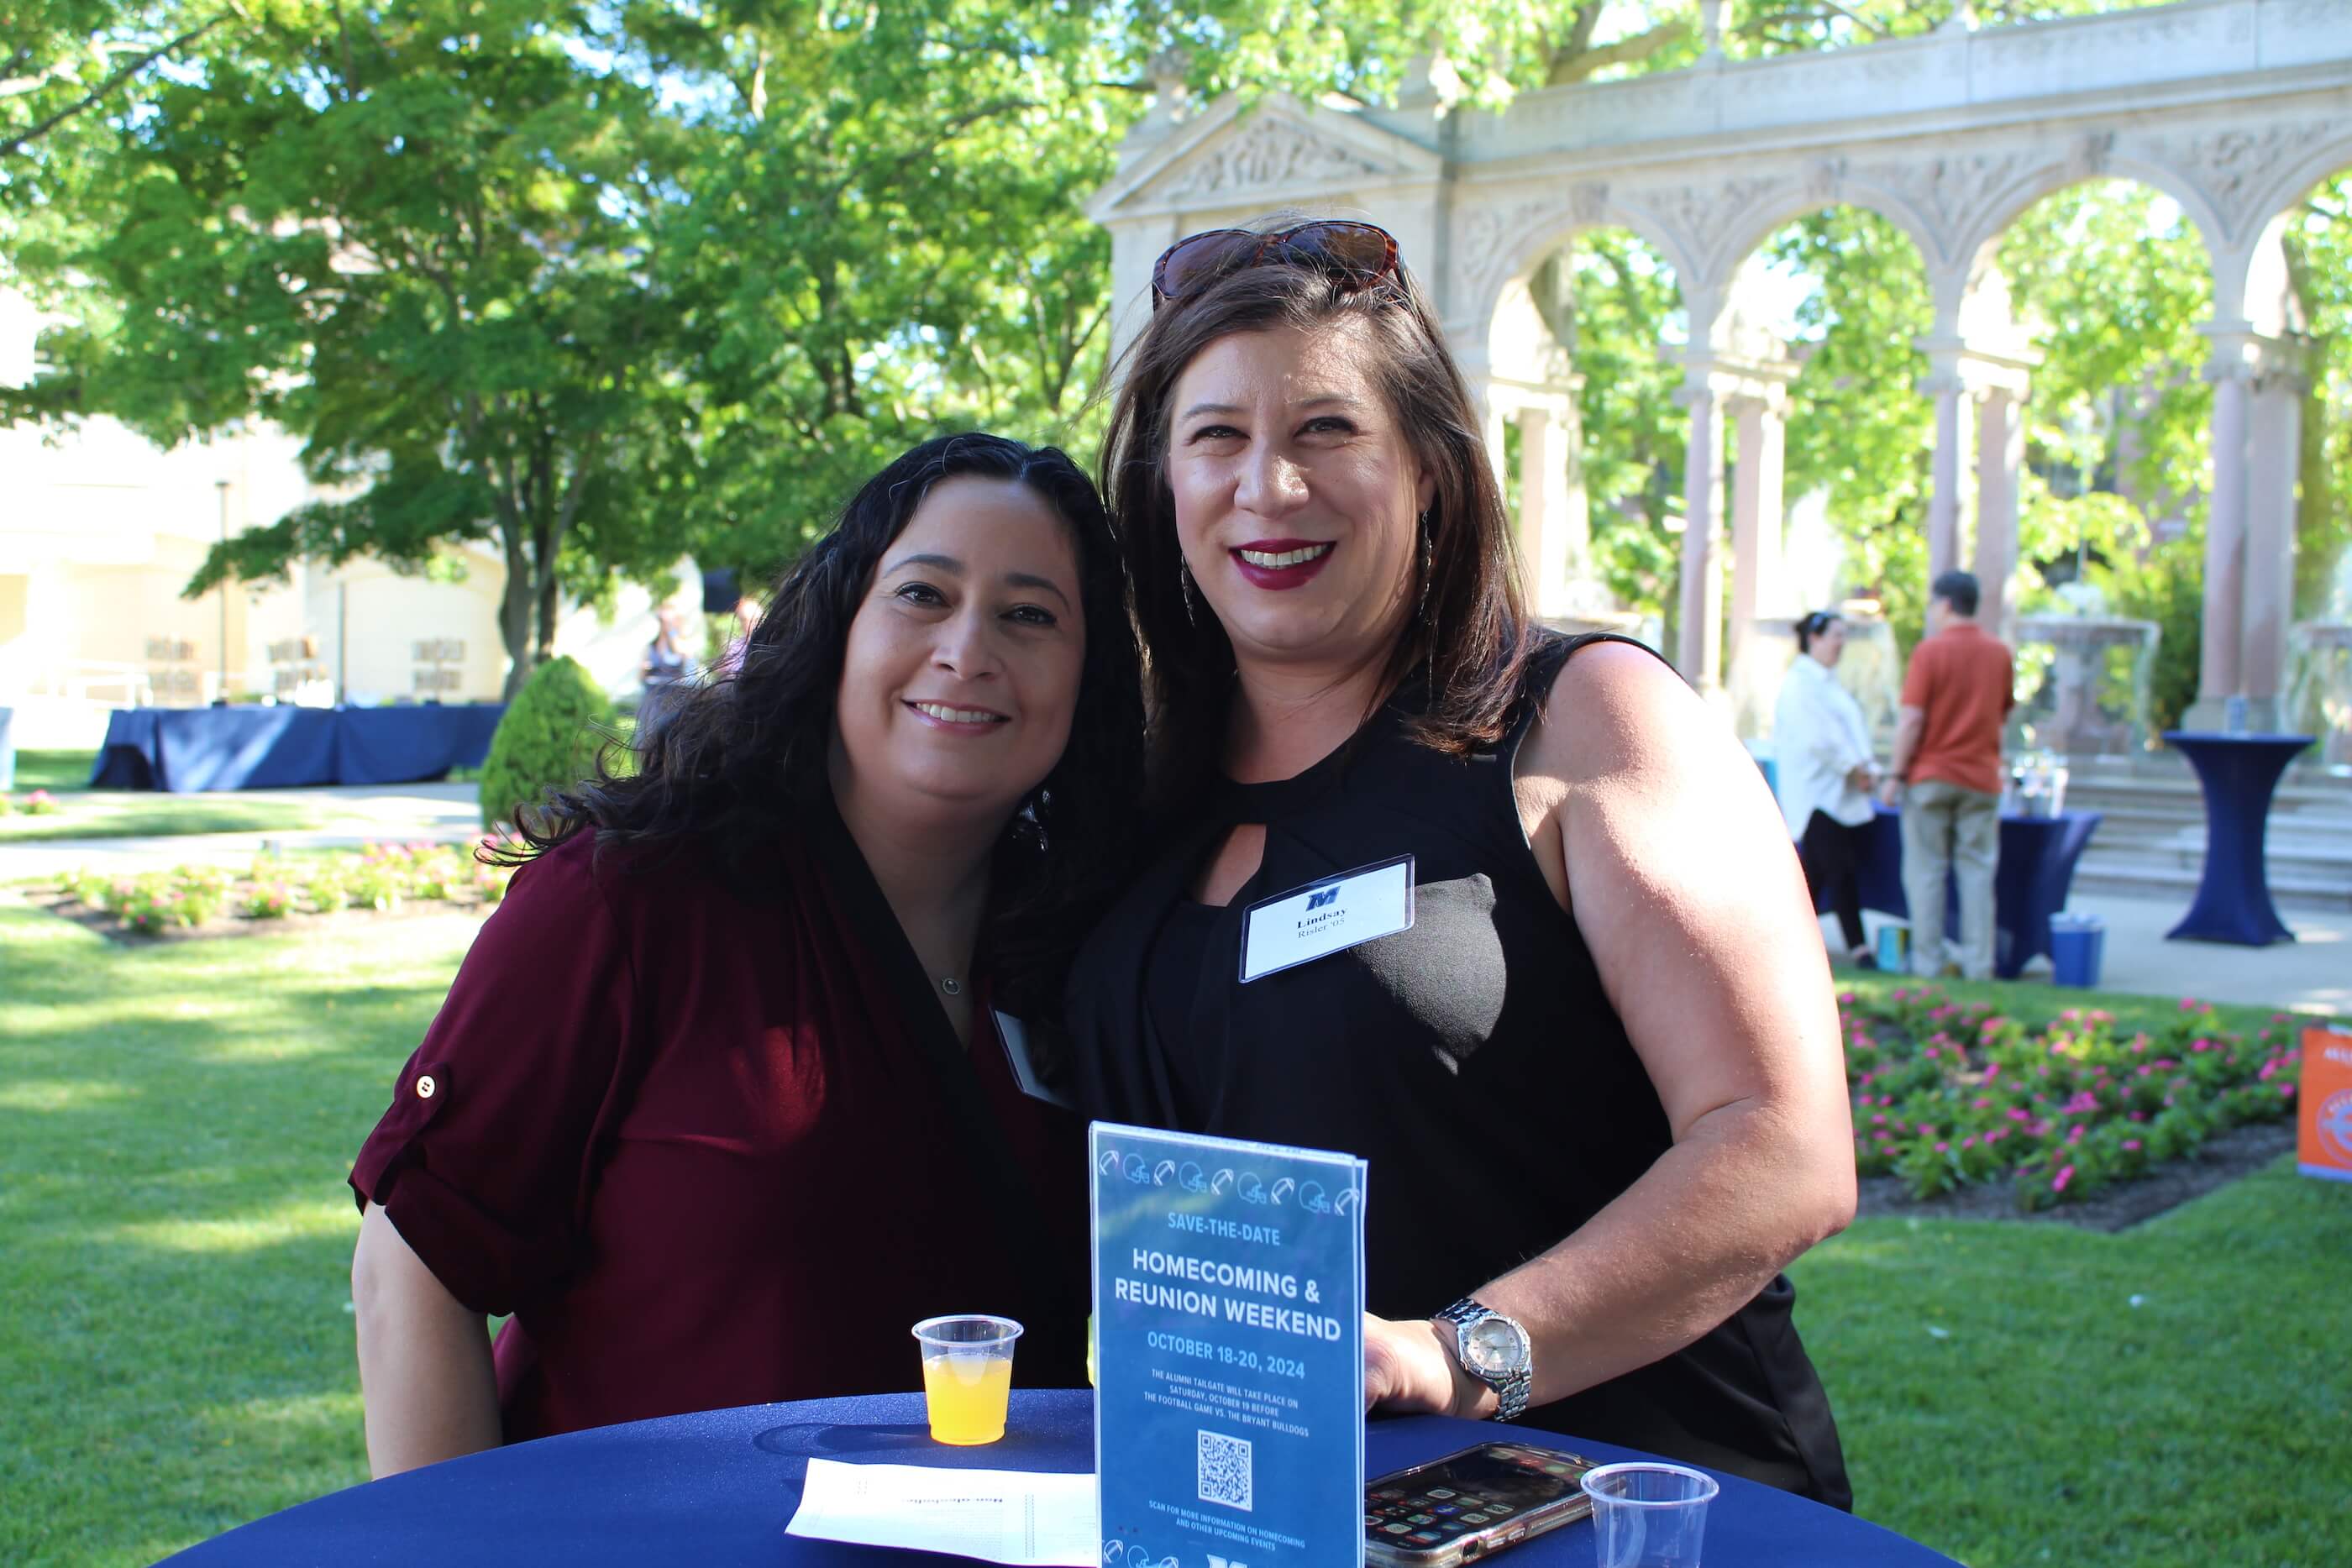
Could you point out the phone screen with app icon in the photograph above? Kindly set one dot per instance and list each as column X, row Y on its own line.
column 1472, row 1504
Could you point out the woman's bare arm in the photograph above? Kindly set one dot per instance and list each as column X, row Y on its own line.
column 1658, row 833
column 424, row 1361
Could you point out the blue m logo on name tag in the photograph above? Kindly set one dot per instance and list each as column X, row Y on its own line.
column 1317, row 900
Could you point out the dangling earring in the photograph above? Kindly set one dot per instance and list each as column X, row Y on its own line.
column 1428, row 576
column 1428, row 563
column 1184, row 582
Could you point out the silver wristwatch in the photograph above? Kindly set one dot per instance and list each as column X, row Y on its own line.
column 1496, row 1351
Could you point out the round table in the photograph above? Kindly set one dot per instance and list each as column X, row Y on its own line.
column 2238, row 774
column 718, row 1489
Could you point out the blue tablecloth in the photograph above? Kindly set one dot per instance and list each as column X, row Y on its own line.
column 2037, row 866
column 2239, row 773
column 718, row 1489
column 187, row 750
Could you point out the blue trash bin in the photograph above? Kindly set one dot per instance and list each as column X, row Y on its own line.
column 2077, row 943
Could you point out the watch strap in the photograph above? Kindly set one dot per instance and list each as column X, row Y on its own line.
column 1511, row 1388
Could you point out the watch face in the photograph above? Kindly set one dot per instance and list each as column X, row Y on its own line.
column 1494, row 1345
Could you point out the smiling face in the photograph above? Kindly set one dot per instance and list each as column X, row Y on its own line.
column 961, row 675
column 1296, row 495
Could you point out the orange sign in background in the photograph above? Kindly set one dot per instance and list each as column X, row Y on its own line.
column 2323, row 1142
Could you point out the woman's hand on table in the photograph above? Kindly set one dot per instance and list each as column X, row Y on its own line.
column 1409, row 1371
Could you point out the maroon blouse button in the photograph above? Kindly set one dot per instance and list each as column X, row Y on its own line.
column 425, row 1086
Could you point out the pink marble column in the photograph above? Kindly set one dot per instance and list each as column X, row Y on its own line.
column 2001, row 454
column 2274, row 454
column 1756, row 517
column 2218, row 677
column 1554, row 530
column 1947, row 388
column 1699, row 643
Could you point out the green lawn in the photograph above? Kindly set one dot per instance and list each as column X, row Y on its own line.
column 56, row 771
column 86, row 814
column 120, row 814
column 175, row 1123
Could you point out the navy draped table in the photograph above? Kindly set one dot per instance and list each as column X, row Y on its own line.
column 2037, row 866
column 718, row 1489
column 2239, row 773
column 186, row 750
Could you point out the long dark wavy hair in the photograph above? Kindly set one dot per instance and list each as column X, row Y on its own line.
column 738, row 761
column 1473, row 634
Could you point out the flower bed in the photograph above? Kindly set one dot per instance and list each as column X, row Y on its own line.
column 379, row 877
column 1947, row 1094
column 39, row 803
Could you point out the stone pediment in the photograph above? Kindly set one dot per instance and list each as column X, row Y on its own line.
column 1278, row 150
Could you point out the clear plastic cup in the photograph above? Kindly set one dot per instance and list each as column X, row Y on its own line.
column 1649, row 1515
column 967, row 1375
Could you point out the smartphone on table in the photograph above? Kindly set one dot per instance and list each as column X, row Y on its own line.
column 1471, row 1505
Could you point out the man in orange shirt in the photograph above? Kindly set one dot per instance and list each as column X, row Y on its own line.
column 1947, row 772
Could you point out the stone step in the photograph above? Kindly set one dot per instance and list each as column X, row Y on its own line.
column 2136, row 877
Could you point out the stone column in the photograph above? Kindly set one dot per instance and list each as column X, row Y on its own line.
column 1756, row 514
column 2001, row 455
column 1554, row 531
column 1699, row 640
column 2225, row 534
column 1946, row 384
column 2273, row 455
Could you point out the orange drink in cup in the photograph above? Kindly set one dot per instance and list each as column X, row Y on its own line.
column 967, row 1375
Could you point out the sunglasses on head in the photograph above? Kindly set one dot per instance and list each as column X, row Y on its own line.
column 1355, row 255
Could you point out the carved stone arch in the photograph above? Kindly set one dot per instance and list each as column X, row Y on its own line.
column 1503, row 242
column 2298, row 174
column 1827, row 187
column 2039, row 180
column 1702, row 223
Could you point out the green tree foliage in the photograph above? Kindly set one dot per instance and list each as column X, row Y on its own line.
column 547, row 740
column 408, row 236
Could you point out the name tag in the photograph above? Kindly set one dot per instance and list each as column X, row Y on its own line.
column 1015, row 1036
column 1323, row 917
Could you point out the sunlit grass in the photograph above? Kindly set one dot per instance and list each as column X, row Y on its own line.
column 116, row 815
column 176, row 1338
column 2174, row 1395
column 175, row 1124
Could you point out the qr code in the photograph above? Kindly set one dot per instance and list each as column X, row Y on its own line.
column 1225, row 1470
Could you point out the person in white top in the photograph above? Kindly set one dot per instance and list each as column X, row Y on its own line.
column 1823, row 762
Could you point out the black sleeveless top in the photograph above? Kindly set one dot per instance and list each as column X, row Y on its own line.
column 1473, row 1059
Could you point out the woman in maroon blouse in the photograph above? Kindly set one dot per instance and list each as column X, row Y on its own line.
column 722, row 1100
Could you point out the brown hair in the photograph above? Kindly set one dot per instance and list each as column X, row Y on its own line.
column 1482, row 637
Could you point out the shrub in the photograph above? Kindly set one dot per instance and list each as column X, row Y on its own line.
column 40, row 803
column 329, row 889
column 268, row 900
column 548, row 739
column 1948, row 1094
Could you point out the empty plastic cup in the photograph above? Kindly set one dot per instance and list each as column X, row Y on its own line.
column 1649, row 1515
column 967, row 1375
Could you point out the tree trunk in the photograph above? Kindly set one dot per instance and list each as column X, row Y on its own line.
column 514, row 614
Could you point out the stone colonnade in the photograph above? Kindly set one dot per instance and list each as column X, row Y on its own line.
column 2233, row 108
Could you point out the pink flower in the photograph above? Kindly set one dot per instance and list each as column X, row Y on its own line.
column 2200, row 1045
column 1943, row 1148
column 1992, row 1072
column 1878, row 1120
column 2058, row 1183
column 2286, row 1092
column 2189, row 1003
column 1883, row 1135
column 1979, row 1103
column 2075, row 1137
column 1927, row 1130
column 2131, row 1145
column 1969, row 1142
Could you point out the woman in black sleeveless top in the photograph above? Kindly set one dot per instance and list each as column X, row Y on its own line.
column 1598, row 1078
